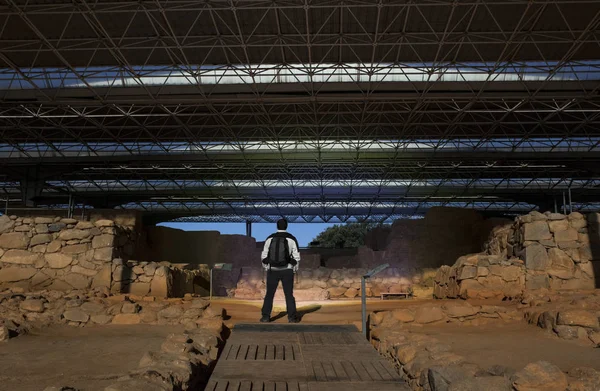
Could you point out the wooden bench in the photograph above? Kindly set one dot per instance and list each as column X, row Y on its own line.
column 406, row 295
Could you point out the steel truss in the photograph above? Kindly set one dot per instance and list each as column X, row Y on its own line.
column 317, row 110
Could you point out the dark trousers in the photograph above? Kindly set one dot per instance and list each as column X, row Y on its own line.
column 287, row 280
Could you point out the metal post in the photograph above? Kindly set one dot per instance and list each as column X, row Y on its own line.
column 570, row 201
column 210, row 284
column 83, row 211
column 555, row 205
column 6, row 207
column 363, row 298
column 70, row 211
column 564, row 203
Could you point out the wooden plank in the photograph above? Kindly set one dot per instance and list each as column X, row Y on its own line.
column 329, row 371
column 252, row 349
column 382, row 370
column 246, row 385
column 293, row 386
column 242, row 353
column 350, row 371
column 339, row 371
column 269, row 386
column 234, row 385
column 222, row 385
column 270, row 352
column 229, row 350
column 372, row 371
column 319, row 371
column 361, row 371
column 281, row 386
column 279, row 352
column 261, row 352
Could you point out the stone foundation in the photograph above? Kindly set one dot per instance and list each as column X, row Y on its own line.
column 537, row 251
column 324, row 283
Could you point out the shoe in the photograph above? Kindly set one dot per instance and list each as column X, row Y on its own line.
column 294, row 319
column 265, row 319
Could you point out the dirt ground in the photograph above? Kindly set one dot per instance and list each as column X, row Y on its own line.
column 513, row 345
column 92, row 358
column 86, row 358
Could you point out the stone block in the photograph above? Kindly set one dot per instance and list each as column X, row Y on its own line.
column 578, row 318
column 103, row 254
column 77, row 281
column 103, row 241
column 58, row 260
column 43, row 220
column 32, row 305
column 537, row 230
column 86, row 272
column 76, row 315
column 6, row 224
column 56, row 227
column 534, row 282
column 426, row 315
column 75, row 248
column 72, row 234
column 40, row 239
column 558, row 225
column 21, row 257
column 567, row 235
column 468, row 272
column 540, row 375
column 104, row 223
column 536, row 257
column 14, row 240
column 103, row 278
column 139, row 288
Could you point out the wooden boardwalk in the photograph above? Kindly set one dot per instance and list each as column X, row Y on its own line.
column 281, row 357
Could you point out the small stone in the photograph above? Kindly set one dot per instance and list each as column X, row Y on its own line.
column 104, row 223
column 32, row 305
column 103, row 254
column 468, row 272
column 43, row 220
column 4, row 333
column 540, row 375
column 578, row 318
column 171, row 312
column 456, row 310
column 75, row 249
column 126, row 319
column 101, row 319
column 428, row 315
column 77, row 281
column 130, row 308
column 54, row 246
column 74, row 234
column 76, row 315
column 92, row 308
column 57, row 227
column 84, row 225
column 6, row 224
column 81, row 270
column 403, row 315
column 40, row 239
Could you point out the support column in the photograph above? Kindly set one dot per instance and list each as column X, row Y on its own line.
column 31, row 187
column 248, row 228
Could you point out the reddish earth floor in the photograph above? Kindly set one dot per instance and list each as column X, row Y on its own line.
column 513, row 345
column 91, row 358
column 86, row 358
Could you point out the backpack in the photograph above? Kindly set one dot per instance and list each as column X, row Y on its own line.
column 279, row 251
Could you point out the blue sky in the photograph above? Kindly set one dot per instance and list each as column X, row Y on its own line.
column 304, row 232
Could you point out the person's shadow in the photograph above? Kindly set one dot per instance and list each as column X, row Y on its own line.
column 300, row 312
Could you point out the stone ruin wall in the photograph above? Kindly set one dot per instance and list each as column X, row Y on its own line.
column 537, row 251
column 61, row 254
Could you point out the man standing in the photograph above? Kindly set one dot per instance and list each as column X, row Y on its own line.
column 280, row 258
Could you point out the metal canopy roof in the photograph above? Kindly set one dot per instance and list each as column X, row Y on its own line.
column 317, row 110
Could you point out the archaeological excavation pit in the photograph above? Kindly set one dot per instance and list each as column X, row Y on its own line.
column 423, row 173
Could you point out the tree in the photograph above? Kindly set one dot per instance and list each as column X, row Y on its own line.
column 350, row 235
